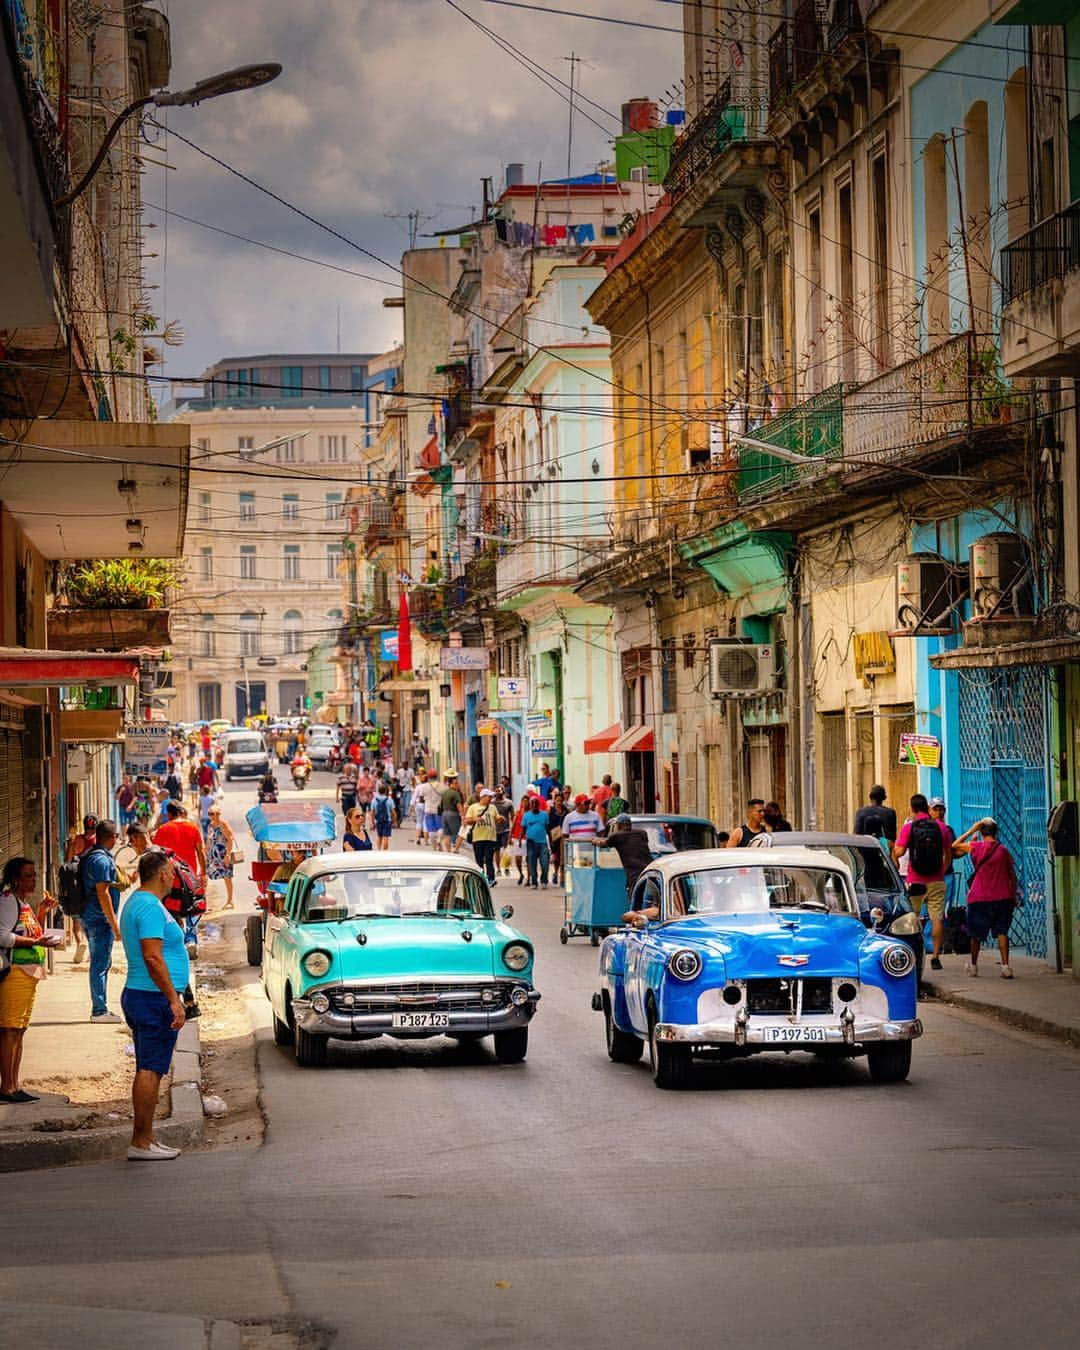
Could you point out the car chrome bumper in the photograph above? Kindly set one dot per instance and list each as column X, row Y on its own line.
column 757, row 1031
column 344, row 1025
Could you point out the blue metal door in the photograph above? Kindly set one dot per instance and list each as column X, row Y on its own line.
column 1003, row 773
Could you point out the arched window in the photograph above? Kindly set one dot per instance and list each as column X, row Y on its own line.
column 936, row 218
column 977, row 213
column 1017, row 157
column 249, row 634
column 294, row 632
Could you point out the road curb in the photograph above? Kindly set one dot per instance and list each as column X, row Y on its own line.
column 184, row 1126
column 1014, row 1017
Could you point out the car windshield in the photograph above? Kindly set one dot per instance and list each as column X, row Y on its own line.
column 397, row 893
column 749, row 890
column 249, row 745
column 680, row 835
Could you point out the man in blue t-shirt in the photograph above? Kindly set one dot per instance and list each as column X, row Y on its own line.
column 101, row 889
column 544, row 782
column 537, row 852
column 158, row 967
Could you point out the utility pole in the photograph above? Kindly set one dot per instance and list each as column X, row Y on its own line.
column 574, row 61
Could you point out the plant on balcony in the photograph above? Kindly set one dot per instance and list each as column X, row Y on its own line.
column 433, row 574
column 120, row 583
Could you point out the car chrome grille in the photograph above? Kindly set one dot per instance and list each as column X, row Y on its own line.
column 781, row 996
column 418, row 996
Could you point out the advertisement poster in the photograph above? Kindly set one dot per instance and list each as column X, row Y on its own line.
column 922, row 751
column 146, row 747
column 388, row 644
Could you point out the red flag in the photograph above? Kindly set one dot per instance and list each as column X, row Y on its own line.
column 404, row 633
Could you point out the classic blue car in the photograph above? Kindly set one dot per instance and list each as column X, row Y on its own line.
column 396, row 944
column 739, row 951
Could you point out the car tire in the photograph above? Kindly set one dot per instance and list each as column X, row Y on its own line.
column 311, row 1051
column 283, row 1033
column 622, row 1047
column 511, row 1047
column 670, row 1063
column 253, row 939
column 889, row 1061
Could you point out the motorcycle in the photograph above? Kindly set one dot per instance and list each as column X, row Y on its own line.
column 300, row 775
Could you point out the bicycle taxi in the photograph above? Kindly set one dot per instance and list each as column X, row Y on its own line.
column 287, row 834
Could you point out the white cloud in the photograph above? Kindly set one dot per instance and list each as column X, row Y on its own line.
column 384, row 106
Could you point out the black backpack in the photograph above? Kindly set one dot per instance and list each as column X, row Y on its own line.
column 926, row 848
column 70, row 886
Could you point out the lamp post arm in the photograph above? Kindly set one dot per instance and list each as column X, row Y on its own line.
column 103, row 150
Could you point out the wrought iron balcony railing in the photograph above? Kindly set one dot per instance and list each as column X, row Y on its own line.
column 1046, row 252
column 714, row 129
column 814, row 427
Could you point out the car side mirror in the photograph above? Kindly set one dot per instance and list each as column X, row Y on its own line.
column 877, row 917
column 507, row 912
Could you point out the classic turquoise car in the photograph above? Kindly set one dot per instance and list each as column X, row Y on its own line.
column 395, row 944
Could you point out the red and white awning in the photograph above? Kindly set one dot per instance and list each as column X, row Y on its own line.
column 29, row 668
column 638, row 740
column 600, row 742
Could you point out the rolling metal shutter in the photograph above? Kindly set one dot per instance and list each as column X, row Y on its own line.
column 11, row 792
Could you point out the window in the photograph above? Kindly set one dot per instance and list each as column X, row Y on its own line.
column 812, row 354
column 288, row 452
column 290, row 506
column 292, row 381
column 357, row 376
column 247, row 562
column 208, row 637
column 247, row 506
column 249, row 634
column 292, row 562
column 333, row 561
column 324, row 378
column 203, row 443
column 206, row 564
column 294, row 632
column 880, row 205
column 245, row 442
column 846, row 247
column 332, row 447
column 335, row 507
column 204, row 508
column 668, row 678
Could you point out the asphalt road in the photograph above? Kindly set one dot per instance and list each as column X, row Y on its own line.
column 422, row 1195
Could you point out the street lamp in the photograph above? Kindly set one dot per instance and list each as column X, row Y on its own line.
column 228, row 82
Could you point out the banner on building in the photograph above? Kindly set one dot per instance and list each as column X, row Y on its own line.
column 146, row 747
column 512, row 687
column 924, row 752
column 464, row 658
column 388, row 644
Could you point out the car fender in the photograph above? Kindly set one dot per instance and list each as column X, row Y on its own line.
column 901, row 992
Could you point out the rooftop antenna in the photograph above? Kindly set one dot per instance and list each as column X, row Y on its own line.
column 415, row 220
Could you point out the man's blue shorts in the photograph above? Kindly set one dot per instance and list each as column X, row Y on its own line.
column 986, row 917
column 432, row 823
column 150, row 1019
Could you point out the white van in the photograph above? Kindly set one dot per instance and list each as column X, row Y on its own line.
column 245, row 753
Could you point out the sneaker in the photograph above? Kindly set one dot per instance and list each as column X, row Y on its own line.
column 521, row 881
column 155, row 1153
column 105, row 1017
column 164, row 1149
column 1006, row 972
column 80, row 953
column 969, row 969
column 191, row 1011
column 935, row 963
column 18, row 1097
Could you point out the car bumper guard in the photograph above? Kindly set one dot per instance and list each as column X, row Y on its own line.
column 347, row 1025
column 760, row 1031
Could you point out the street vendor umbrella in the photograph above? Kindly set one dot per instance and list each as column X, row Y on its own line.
column 404, row 639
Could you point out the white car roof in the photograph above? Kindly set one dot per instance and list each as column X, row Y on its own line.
column 372, row 860
column 708, row 859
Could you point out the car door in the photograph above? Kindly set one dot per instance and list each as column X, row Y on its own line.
column 275, row 940
column 645, row 895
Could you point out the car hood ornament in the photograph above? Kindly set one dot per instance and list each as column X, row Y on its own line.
column 797, row 959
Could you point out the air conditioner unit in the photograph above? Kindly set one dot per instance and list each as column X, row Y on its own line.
column 739, row 668
column 1000, row 577
column 927, row 590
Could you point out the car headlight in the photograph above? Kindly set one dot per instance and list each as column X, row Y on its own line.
column 516, row 955
column 905, row 925
column 320, row 1003
column 898, row 960
column 685, row 964
column 316, row 963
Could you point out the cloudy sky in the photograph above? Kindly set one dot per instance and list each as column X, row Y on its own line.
column 384, row 107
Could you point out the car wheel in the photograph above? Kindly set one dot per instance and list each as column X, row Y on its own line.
column 253, row 939
column 670, row 1062
column 889, row 1061
column 511, row 1047
column 622, row 1047
column 283, row 1033
column 311, row 1051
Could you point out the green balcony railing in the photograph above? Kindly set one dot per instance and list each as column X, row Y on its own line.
column 814, row 427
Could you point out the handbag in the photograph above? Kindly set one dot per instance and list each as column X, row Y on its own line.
column 555, row 833
column 236, row 855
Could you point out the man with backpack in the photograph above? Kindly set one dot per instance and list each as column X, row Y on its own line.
column 929, row 846
column 382, row 815
column 100, row 887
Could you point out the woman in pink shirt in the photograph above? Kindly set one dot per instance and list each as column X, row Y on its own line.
column 992, row 892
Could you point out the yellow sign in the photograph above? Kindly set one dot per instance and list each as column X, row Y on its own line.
column 922, row 751
column 487, row 726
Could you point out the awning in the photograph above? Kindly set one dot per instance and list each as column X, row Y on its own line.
column 600, row 742
column 24, row 667
column 638, row 740
column 1037, row 652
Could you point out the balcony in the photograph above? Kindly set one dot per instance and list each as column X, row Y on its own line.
column 952, row 390
column 1040, row 297
column 713, row 131
column 814, row 427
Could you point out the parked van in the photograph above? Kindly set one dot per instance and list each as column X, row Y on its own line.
column 245, row 753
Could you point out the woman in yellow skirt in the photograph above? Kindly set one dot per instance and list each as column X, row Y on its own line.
column 22, row 952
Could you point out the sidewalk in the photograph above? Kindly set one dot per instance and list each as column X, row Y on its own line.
column 82, row 1071
column 1037, row 1000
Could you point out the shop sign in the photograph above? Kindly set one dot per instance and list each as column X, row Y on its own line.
column 146, row 747
column 512, row 687
column 540, row 724
column 922, row 751
column 464, row 658
column 487, row 726
column 77, row 767
column 547, row 745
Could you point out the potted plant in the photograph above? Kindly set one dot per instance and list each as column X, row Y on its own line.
column 112, row 604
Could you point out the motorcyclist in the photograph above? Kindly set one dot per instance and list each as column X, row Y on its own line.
column 268, row 789
column 300, row 766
